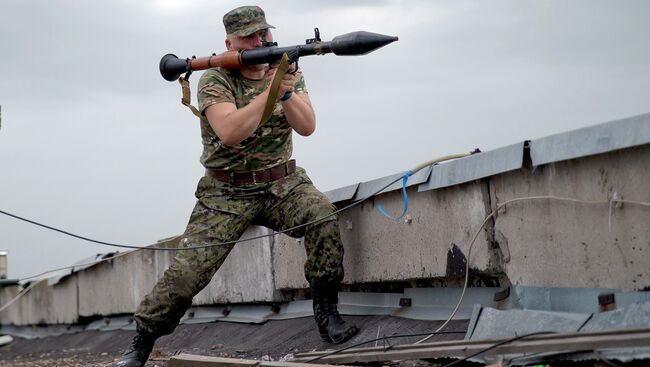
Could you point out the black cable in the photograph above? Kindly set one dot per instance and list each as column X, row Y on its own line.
column 585, row 322
column 204, row 246
column 382, row 338
column 534, row 354
column 497, row 345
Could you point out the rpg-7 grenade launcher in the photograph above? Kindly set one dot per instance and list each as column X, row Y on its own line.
column 351, row 44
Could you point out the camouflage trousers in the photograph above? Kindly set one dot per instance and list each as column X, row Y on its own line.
column 222, row 213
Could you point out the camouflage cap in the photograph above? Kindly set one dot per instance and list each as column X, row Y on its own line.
column 245, row 20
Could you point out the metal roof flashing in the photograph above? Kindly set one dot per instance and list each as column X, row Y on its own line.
column 601, row 138
column 447, row 174
column 475, row 167
column 363, row 190
column 371, row 187
column 342, row 193
column 591, row 140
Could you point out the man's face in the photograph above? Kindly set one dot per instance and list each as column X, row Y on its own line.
column 235, row 42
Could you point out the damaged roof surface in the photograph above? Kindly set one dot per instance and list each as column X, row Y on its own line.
column 273, row 339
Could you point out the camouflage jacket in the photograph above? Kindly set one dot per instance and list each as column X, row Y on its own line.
column 268, row 146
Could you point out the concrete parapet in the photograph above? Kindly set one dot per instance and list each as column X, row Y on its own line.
column 118, row 285
column 245, row 276
column 440, row 226
column 8, row 293
column 42, row 304
column 288, row 256
column 553, row 243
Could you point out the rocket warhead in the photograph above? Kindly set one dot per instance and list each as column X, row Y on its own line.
column 359, row 43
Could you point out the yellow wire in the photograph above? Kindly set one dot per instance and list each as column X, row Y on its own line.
column 438, row 160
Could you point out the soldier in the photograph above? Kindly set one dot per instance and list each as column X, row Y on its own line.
column 249, row 179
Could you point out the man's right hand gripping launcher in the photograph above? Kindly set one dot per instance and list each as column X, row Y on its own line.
column 349, row 44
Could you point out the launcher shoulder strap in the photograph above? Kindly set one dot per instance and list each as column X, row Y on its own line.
column 275, row 84
column 186, row 100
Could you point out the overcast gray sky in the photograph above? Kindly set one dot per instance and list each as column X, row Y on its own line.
column 94, row 141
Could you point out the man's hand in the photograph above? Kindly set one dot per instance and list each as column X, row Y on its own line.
column 287, row 83
column 297, row 108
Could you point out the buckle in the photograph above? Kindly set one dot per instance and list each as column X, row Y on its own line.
column 232, row 177
column 254, row 177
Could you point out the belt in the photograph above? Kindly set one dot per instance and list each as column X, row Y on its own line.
column 250, row 177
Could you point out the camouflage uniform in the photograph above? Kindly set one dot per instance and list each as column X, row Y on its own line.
column 224, row 211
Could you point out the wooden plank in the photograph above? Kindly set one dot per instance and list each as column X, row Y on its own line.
column 192, row 360
column 463, row 348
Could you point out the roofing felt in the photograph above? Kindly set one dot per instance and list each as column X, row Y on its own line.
column 275, row 339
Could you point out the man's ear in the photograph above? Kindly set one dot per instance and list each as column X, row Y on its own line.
column 228, row 44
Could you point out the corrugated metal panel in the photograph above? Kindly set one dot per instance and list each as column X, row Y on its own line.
column 342, row 193
column 625, row 299
column 496, row 324
column 623, row 355
column 249, row 314
column 198, row 315
column 592, row 140
column 294, row 309
column 493, row 323
column 356, row 303
column 620, row 355
column 371, row 187
column 575, row 300
column 118, row 322
column 35, row 332
column 636, row 315
column 475, row 167
column 437, row 303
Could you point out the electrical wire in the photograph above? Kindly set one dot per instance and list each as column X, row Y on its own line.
column 25, row 291
column 489, row 216
column 314, row 221
column 379, row 339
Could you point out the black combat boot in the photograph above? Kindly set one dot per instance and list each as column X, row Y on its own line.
column 331, row 326
column 138, row 352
